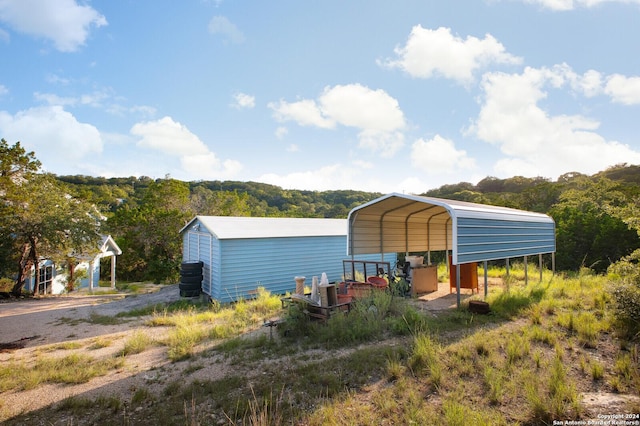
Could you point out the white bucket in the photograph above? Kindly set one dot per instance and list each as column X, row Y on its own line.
column 414, row 260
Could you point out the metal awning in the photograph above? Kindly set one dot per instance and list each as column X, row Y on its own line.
column 471, row 232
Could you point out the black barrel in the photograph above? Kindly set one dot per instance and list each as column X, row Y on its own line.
column 191, row 278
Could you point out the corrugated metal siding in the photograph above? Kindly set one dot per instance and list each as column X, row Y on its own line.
column 206, row 243
column 490, row 239
column 273, row 263
column 190, row 251
column 401, row 236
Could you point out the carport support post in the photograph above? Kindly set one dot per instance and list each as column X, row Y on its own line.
column 540, row 265
column 458, row 284
column 486, row 280
column 526, row 274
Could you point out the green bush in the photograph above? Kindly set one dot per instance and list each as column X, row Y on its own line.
column 6, row 284
column 626, row 309
column 625, row 294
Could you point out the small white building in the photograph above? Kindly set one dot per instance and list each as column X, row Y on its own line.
column 54, row 278
column 240, row 254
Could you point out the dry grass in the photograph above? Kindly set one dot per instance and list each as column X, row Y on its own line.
column 528, row 362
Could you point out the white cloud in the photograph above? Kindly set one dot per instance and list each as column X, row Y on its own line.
column 55, row 135
column 281, row 132
column 561, row 5
column 169, row 137
column 535, row 142
column 95, row 99
column 243, row 101
column 429, row 53
column 65, row 22
column 358, row 106
column 176, row 140
column 356, row 175
column 222, row 26
column 305, row 113
column 624, row 90
column 554, row 4
column 56, row 79
column 386, row 143
column 439, row 156
column 330, row 177
column 590, row 84
column 139, row 110
column 3, row 90
column 376, row 114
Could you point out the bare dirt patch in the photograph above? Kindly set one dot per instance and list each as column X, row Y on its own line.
column 33, row 328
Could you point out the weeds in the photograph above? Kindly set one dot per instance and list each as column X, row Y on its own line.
column 494, row 381
column 597, row 370
column 425, row 357
column 456, row 368
column 136, row 343
column 71, row 369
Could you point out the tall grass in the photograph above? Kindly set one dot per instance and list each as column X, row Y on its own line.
column 193, row 324
column 71, row 369
column 426, row 357
column 138, row 342
column 514, row 366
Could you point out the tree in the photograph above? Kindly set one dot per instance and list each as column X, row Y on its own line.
column 206, row 202
column 16, row 167
column 148, row 233
column 40, row 218
column 51, row 224
column 588, row 233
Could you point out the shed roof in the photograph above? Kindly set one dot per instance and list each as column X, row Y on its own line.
column 473, row 232
column 234, row 227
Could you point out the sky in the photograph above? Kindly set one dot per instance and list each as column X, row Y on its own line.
column 370, row 95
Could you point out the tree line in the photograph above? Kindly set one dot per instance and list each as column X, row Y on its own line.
column 62, row 217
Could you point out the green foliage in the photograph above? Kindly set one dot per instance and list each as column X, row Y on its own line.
column 426, row 358
column 625, row 295
column 138, row 342
column 48, row 223
column 148, row 233
column 588, row 232
column 596, row 216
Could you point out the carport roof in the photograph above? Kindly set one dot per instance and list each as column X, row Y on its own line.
column 473, row 232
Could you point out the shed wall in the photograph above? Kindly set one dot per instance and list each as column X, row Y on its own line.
column 490, row 239
column 235, row 268
column 273, row 263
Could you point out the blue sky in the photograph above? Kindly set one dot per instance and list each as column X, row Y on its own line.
column 366, row 95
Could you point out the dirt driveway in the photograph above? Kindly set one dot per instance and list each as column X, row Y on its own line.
column 41, row 321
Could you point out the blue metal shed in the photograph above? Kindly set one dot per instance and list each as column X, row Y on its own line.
column 241, row 254
column 471, row 232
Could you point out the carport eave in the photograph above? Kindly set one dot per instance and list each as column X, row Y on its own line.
column 381, row 213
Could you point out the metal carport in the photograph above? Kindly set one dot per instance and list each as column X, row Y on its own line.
column 471, row 232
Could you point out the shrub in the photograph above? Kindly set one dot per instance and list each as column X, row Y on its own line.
column 6, row 284
column 626, row 295
column 626, row 309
